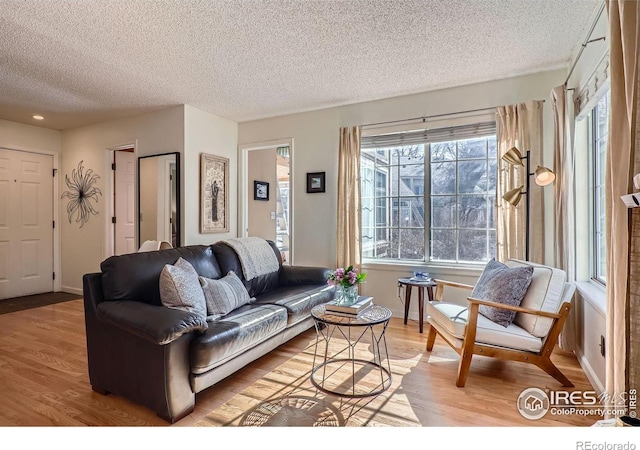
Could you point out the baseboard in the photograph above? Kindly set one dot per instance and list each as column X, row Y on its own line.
column 72, row 290
column 589, row 372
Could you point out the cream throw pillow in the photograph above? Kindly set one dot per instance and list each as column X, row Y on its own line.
column 224, row 295
column 180, row 288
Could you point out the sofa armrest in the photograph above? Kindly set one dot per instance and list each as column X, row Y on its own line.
column 299, row 275
column 156, row 324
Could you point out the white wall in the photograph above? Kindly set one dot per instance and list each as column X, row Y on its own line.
column 207, row 133
column 83, row 249
column 315, row 136
column 18, row 136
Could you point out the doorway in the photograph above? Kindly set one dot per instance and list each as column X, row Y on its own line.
column 266, row 194
column 26, row 223
column 124, row 201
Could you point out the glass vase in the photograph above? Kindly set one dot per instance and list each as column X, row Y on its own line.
column 346, row 295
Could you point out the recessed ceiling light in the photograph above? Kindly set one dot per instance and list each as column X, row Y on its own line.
column 38, row 117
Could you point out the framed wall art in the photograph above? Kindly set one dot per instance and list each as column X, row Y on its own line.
column 214, row 194
column 315, row 182
column 260, row 190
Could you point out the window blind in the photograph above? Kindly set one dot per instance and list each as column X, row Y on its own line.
column 429, row 135
column 593, row 89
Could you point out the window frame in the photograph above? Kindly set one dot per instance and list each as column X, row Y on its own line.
column 595, row 187
column 427, row 196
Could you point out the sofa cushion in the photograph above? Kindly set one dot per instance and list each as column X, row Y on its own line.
column 502, row 284
column 180, row 288
column 136, row 276
column 544, row 294
column 452, row 320
column 235, row 333
column 298, row 300
column 223, row 295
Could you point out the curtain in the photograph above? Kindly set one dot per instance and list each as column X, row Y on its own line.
column 348, row 237
column 564, row 201
column 621, row 339
column 519, row 126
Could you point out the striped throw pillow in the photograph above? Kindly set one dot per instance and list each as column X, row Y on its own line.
column 223, row 295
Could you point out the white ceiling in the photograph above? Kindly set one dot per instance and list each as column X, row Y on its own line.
column 78, row 62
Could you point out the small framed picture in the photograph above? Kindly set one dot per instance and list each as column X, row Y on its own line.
column 260, row 190
column 315, row 182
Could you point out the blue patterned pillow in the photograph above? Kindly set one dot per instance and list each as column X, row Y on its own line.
column 502, row 284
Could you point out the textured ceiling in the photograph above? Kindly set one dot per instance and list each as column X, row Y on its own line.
column 78, row 62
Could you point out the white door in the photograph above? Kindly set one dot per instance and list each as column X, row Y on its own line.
column 124, row 202
column 26, row 223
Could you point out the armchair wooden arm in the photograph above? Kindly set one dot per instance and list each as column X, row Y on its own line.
column 520, row 309
column 440, row 284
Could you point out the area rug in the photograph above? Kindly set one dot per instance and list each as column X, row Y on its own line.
column 286, row 397
column 14, row 304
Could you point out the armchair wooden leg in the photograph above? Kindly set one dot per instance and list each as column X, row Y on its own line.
column 552, row 370
column 463, row 367
column 468, row 345
column 431, row 338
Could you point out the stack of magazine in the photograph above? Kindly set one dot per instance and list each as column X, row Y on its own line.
column 354, row 310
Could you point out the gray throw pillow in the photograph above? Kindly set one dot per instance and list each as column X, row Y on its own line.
column 502, row 284
column 180, row 288
column 224, row 295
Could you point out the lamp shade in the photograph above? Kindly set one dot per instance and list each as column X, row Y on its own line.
column 513, row 196
column 544, row 176
column 513, row 156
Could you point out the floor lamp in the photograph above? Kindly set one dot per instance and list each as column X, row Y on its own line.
column 542, row 176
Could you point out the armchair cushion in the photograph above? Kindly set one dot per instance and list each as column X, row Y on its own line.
column 544, row 294
column 451, row 319
column 502, row 284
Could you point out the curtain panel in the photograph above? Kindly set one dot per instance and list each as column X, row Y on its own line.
column 519, row 126
column 564, row 167
column 622, row 339
column 348, row 251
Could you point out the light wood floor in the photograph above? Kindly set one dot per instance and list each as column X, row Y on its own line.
column 44, row 380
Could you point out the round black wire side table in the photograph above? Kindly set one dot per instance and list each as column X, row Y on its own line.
column 340, row 364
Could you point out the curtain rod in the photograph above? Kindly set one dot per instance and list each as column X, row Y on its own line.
column 424, row 118
column 586, row 42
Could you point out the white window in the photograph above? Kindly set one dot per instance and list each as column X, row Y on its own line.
column 598, row 134
column 431, row 196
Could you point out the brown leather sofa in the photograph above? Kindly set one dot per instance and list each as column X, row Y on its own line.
column 161, row 357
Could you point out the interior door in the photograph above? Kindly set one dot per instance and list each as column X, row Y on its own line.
column 268, row 217
column 124, row 237
column 26, row 223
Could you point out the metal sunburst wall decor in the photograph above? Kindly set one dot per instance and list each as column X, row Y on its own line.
column 80, row 194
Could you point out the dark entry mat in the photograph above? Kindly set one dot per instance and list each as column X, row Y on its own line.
column 14, row 304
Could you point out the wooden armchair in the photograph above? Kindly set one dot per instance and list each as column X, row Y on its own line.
column 530, row 338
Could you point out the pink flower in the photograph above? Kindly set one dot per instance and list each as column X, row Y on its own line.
column 345, row 277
